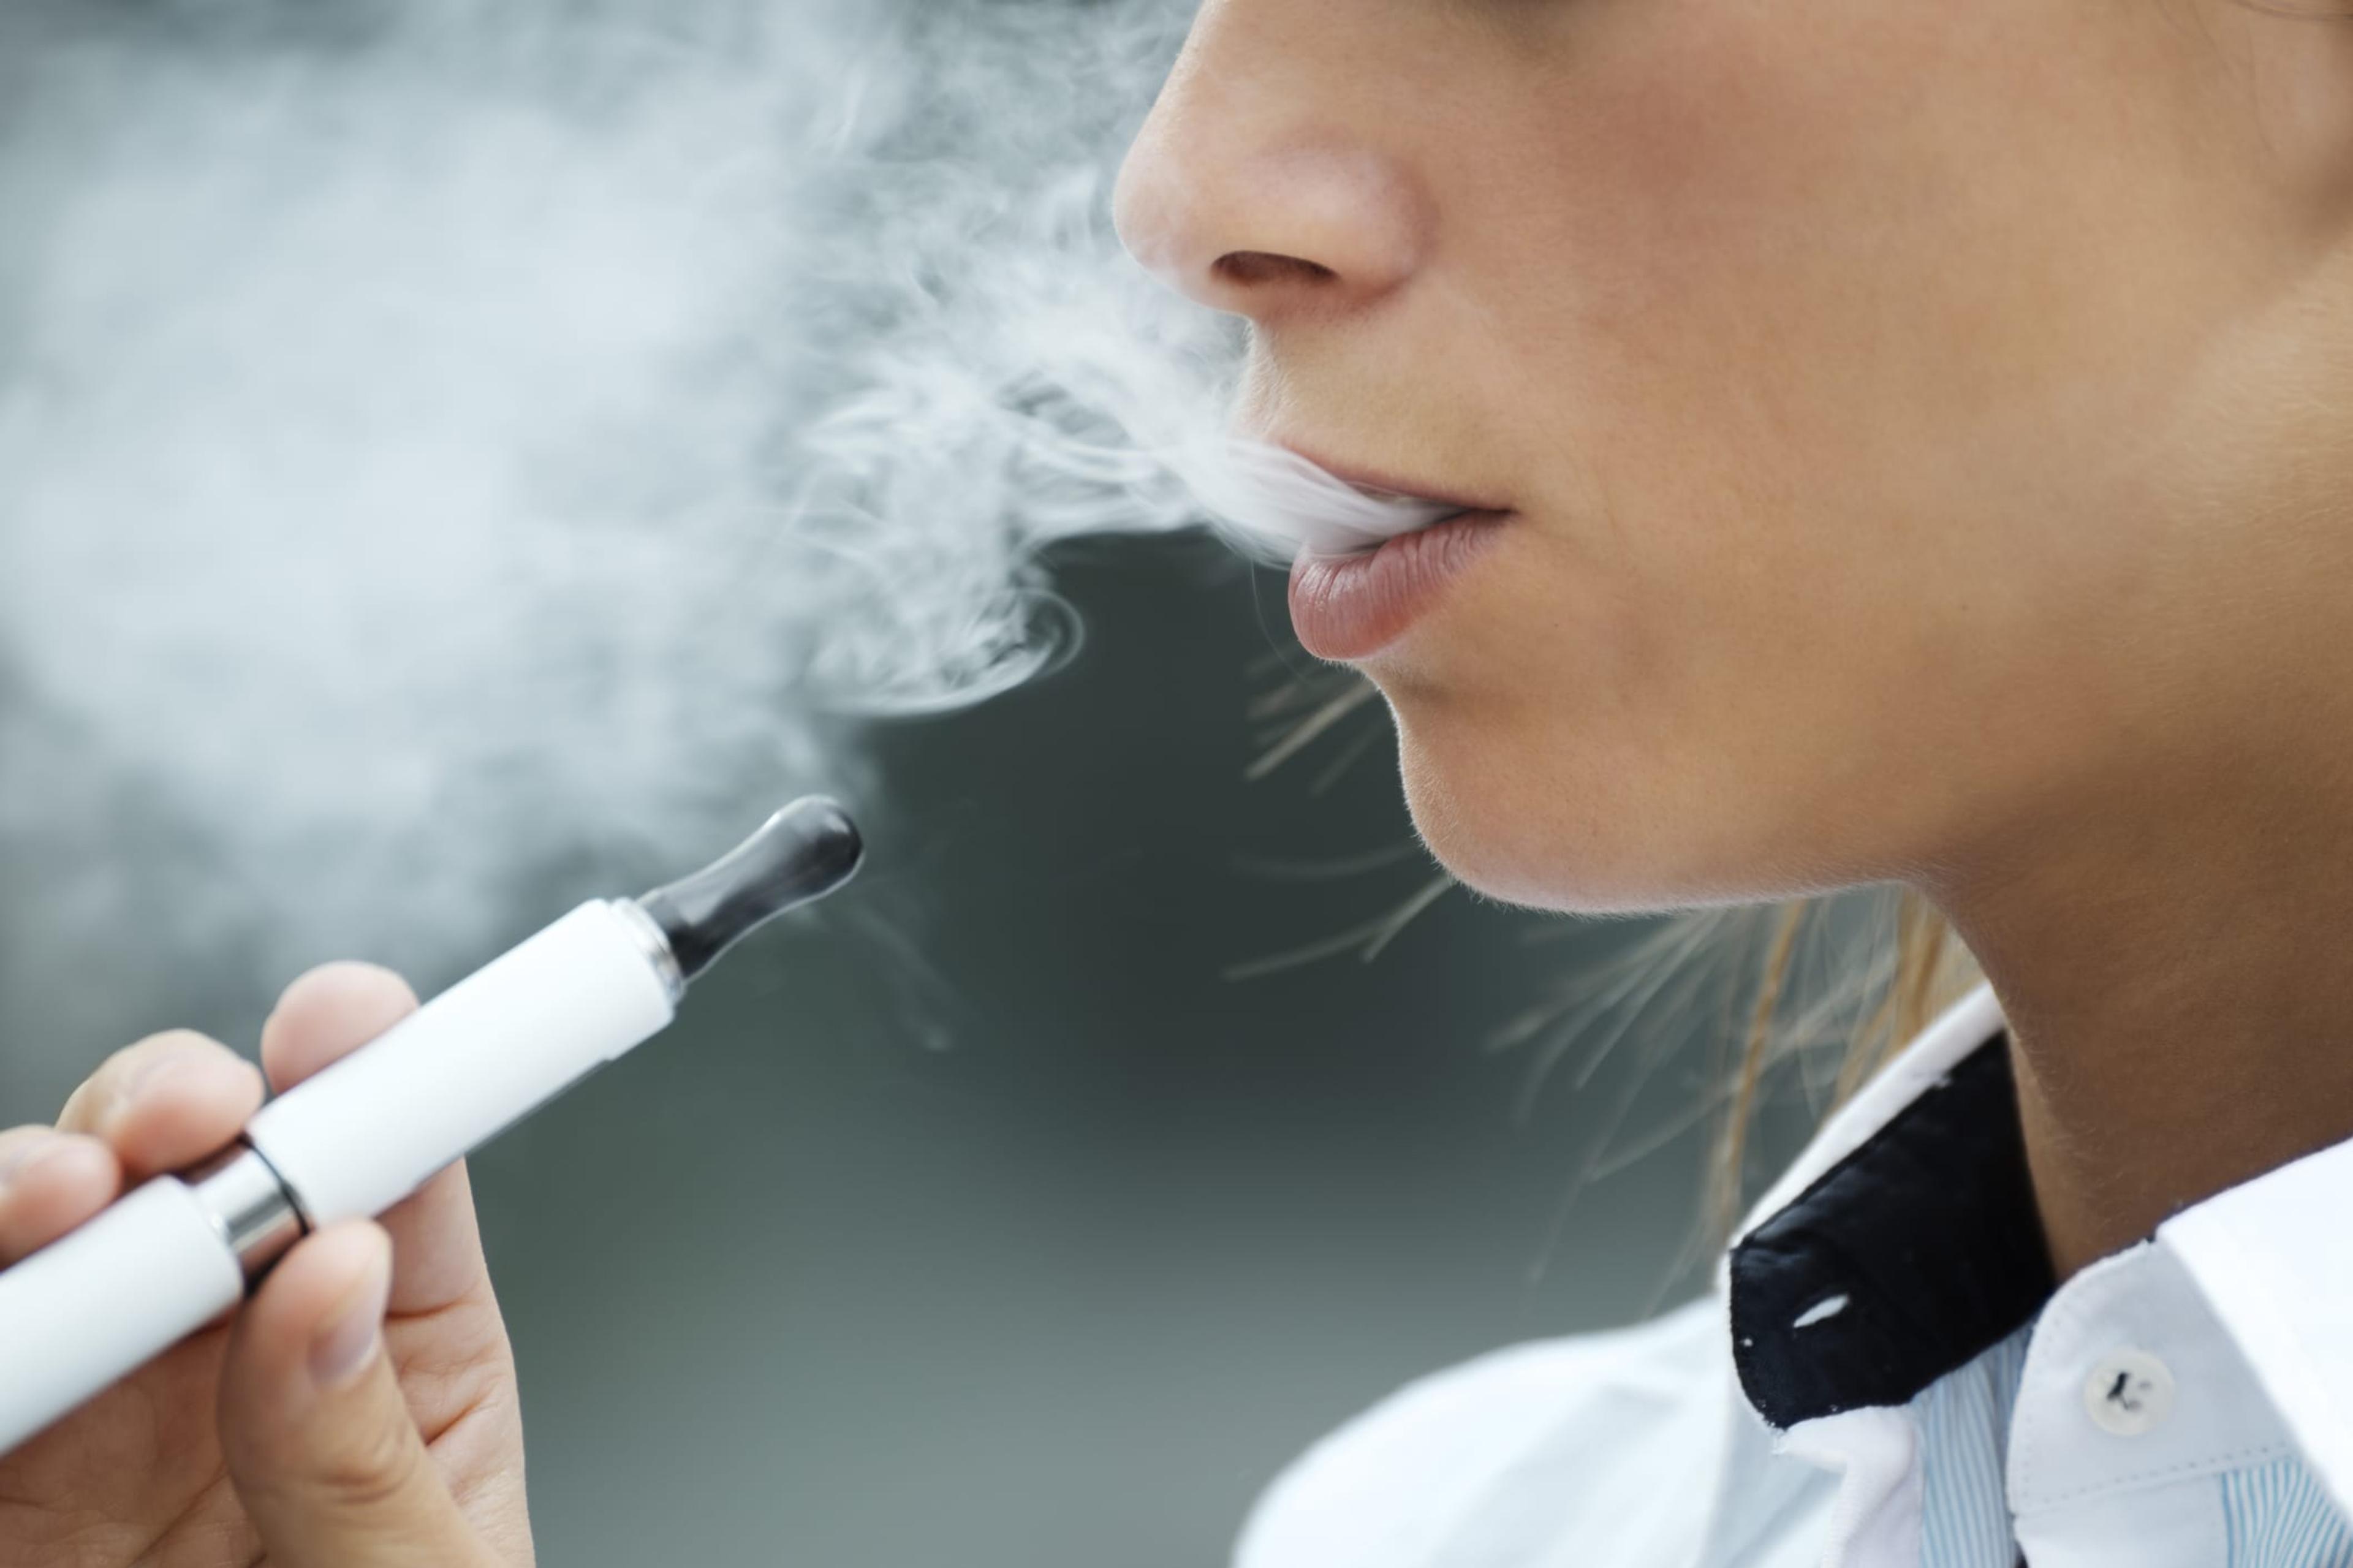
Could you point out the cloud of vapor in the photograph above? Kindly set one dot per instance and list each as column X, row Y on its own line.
column 445, row 443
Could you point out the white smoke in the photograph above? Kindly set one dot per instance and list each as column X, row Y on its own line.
column 439, row 442
column 1273, row 503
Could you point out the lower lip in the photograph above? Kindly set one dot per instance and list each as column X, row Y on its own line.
column 1352, row 606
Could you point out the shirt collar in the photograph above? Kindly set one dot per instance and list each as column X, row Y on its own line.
column 1905, row 1260
column 1911, row 1210
column 2273, row 1257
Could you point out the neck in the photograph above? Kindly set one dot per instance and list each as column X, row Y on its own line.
column 2179, row 1001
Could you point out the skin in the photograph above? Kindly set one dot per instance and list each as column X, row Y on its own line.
column 1927, row 427
column 358, row 1412
column 1924, row 427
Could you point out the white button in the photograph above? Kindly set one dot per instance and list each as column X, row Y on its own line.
column 2129, row 1393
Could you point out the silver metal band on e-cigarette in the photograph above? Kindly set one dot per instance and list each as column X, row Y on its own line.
column 251, row 1206
column 649, row 932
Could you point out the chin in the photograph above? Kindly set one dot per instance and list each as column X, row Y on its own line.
column 1547, row 838
column 1482, row 830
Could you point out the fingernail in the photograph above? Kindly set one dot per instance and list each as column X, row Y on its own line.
column 348, row 1342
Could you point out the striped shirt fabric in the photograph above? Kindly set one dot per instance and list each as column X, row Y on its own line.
column 1964, row 1418
column 2276, row 1516
column 2275, row 1513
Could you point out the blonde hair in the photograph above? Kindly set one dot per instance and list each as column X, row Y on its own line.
column 1903, row 974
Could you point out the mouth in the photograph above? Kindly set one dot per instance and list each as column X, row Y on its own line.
column 1349, row 607
column 1349, row 604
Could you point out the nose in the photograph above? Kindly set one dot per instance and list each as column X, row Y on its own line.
column 1248, row 190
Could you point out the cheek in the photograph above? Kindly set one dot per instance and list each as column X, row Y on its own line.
column 1807, row 372
column 1838, row 244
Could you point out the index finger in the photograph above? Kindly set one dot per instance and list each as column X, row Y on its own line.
column 164, row 1103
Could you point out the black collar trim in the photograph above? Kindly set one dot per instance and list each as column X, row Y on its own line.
column 1905, row 1260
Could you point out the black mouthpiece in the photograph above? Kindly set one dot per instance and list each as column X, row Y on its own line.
column 804, row 852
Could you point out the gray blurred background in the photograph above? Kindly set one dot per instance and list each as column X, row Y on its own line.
column 1020, row 1208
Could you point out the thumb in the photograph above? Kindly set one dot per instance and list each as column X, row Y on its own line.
column 319, row 1440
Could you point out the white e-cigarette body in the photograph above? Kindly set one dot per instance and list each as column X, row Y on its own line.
column 365, row 1132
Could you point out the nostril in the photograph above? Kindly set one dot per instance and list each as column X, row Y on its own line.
column 1248, row 267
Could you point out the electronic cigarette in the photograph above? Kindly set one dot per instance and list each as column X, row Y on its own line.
column 352, row 1141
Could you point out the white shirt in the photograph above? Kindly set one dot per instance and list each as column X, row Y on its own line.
column 2187, row 1403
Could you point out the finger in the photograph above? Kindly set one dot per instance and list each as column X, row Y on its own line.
column 165, row 1102
column 319, row 1440
column 324, row 1016
column 327, row 1014
column 49, row 1183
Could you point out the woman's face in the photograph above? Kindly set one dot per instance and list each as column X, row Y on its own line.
column 1909, row 417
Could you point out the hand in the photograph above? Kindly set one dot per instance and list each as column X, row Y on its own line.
column 358, row 1411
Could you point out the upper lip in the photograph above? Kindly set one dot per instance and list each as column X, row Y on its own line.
column 1380, row 482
